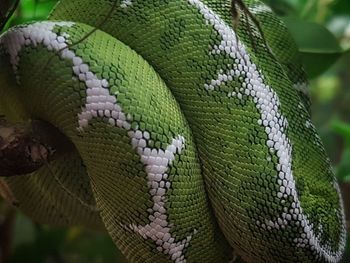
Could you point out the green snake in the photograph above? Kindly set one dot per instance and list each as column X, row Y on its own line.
column 193, row 137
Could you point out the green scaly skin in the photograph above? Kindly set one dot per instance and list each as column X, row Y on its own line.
column 188, row 144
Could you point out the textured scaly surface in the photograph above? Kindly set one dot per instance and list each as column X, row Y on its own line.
column 182, row 127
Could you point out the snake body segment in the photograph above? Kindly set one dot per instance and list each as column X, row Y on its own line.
column 191, row 138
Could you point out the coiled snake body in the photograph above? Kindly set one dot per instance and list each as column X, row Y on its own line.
column 191, row 139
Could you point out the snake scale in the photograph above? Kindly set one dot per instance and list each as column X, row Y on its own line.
column 193, row 137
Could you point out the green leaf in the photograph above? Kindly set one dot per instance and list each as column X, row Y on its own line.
column 24, row 230
column 318, row 46
column 343, row 129
column 341, row 7
column 31, row 10
column 343, row 168
column 281, row 8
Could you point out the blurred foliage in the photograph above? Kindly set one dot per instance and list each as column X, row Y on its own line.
column 321, row 29
column 7, row 7
column 37, row 243
column 31, row 10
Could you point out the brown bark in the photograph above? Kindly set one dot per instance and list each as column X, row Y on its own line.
column 25, row 147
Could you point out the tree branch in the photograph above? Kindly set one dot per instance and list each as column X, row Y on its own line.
column 25, row 147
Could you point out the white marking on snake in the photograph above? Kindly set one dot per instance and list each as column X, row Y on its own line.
column 157, row 163
column 260, row 8
column 99, row 103
column 308, row 124
column 302, row 87
column 267, row 102
column 126, row 3
column 38, row 33
column 157, row 166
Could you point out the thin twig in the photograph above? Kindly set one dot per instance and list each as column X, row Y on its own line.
column 92, row 208
column 84, row 37
column 248, row 15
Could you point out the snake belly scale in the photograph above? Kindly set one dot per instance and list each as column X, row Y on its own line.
column 193, row 140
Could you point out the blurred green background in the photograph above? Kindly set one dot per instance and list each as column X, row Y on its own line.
column 322, row 31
